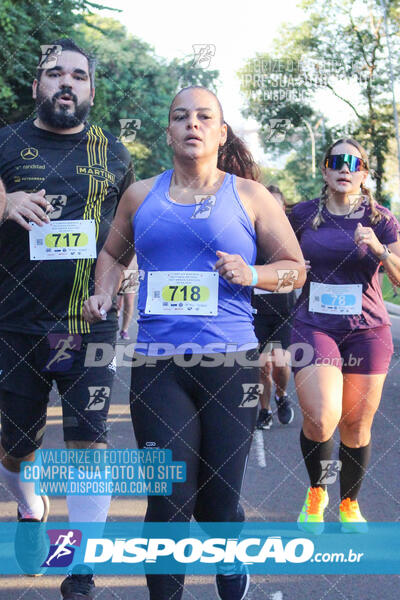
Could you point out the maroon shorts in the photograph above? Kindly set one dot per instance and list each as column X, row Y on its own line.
column 366, row 351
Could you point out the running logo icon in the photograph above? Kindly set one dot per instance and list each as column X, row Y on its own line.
column 251, row 394
column 330, row 469
column 131, row 281
column 203, row 54
column 98, row 397
column 204, row 206
column 286, row 280
column 358, row 204
column 62, row 547
column 129, row 128
column 277, row 129
column 49, row 56
column 58, row 203
column 62, row 348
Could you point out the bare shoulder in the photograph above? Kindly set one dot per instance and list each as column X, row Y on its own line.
column 138, row 191
column 248, row 186
column 255, row 191
column 255, row 196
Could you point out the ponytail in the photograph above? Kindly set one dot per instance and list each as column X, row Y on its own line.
column 375, row 216
column 318, row 219
column 234, row 157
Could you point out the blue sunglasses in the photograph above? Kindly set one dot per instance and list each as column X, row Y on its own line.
column 336, row 162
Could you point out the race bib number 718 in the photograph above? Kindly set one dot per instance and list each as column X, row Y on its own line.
column 182, row 292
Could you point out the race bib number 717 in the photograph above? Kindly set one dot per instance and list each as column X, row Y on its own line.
column 60, row 240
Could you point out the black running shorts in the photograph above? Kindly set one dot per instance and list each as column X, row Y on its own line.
column 28, row 366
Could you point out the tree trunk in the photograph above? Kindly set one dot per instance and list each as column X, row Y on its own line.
column 379, row 171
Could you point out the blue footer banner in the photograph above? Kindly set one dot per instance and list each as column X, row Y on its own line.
column 132, row 548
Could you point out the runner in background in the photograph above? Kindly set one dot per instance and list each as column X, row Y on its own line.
column 126, row 298
column 272, row 323
column 342, row 323
column 196, row 233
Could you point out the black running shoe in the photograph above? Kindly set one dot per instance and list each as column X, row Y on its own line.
column 79, row 584
column 264, row 419
column 285, row 411
column 31, row 542
column 233, row 587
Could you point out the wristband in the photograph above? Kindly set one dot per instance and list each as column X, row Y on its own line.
column 254, row 281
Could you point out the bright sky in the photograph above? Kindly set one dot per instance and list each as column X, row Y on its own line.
column 238, row 29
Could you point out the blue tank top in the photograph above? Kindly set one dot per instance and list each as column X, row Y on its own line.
column 185, row 237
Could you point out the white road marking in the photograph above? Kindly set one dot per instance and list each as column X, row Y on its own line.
column 259, row 448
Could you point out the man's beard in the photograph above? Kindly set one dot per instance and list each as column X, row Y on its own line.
column 61, row 118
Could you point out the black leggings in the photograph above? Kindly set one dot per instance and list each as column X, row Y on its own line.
column 206, row 416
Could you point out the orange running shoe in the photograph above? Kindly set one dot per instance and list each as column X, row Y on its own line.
column 351, row 518
column 311, row 518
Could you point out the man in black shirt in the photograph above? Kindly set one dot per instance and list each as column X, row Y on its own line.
column 63, row 179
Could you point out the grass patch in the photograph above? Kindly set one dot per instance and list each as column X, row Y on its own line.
column 387, row 291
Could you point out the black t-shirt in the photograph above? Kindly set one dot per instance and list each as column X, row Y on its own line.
column 275, row 304
column 84, row 175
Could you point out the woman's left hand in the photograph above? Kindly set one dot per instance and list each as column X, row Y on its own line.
column 366, row 235
column 233, row 268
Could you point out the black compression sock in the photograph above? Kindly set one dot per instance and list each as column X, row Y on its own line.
column 313, row 453
column 354, row 465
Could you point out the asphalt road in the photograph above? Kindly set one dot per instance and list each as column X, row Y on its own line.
column 274, row 492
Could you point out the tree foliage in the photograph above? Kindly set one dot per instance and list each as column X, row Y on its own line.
column 340, row 48
column 131, row 81
column 25, row 25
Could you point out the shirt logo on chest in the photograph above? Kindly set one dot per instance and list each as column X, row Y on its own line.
column 97, row 172
column 29, row 153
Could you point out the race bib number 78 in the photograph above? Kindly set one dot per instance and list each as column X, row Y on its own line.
column 332, row 299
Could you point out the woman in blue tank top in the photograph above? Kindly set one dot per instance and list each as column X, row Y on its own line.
column 196, row 230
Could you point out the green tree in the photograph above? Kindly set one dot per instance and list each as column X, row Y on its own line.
column 341, row 41
column 25, row 25
column 132, row 82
